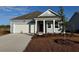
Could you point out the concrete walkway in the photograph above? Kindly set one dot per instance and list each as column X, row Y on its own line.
column 14, row 42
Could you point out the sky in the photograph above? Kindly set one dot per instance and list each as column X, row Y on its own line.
column 9, row 12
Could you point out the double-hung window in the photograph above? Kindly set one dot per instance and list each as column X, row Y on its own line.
column 49, row 24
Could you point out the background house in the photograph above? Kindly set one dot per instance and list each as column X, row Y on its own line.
column 36, row 22
column 73, row 24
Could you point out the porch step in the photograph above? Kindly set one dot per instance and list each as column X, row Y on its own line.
column 40, row 33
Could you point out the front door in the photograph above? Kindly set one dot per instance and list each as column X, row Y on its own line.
column 40, row 26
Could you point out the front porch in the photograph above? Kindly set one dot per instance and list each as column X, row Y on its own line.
column 46, row 26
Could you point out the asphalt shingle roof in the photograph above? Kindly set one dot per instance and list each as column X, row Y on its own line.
column 28, row 16
column 34, row 15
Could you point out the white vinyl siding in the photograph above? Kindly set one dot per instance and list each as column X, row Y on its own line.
column 49, row 26
column 57, row 30
column 32, row 28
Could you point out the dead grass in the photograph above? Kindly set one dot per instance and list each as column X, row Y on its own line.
column 4, row 31
column 53, row 43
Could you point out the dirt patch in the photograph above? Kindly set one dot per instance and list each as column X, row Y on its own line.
column 66, row 42
column 53, row 43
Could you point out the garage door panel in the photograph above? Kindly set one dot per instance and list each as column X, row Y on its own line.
column 21, row 28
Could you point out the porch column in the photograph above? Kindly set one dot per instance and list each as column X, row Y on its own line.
column 44, row 26
column 54, row 26
column 35, row 26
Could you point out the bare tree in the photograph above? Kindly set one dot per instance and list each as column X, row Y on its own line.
column 61, row 13
column 63, row 20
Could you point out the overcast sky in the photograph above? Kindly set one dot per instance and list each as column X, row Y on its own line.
column 9, row 12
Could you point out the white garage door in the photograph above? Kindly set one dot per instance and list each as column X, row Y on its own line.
column 23, row 28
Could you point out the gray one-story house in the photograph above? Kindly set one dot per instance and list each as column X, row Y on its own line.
column 36, row 22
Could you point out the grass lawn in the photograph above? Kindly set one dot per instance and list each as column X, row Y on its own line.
column 54, row 43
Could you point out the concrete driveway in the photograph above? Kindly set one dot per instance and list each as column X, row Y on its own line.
column 14, row 42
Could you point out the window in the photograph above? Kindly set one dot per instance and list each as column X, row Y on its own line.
column 49, row 24
column 56, row 24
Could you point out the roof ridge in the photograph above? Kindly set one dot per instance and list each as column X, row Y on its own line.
column 53, row 12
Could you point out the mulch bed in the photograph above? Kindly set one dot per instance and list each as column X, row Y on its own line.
column 53, row 43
